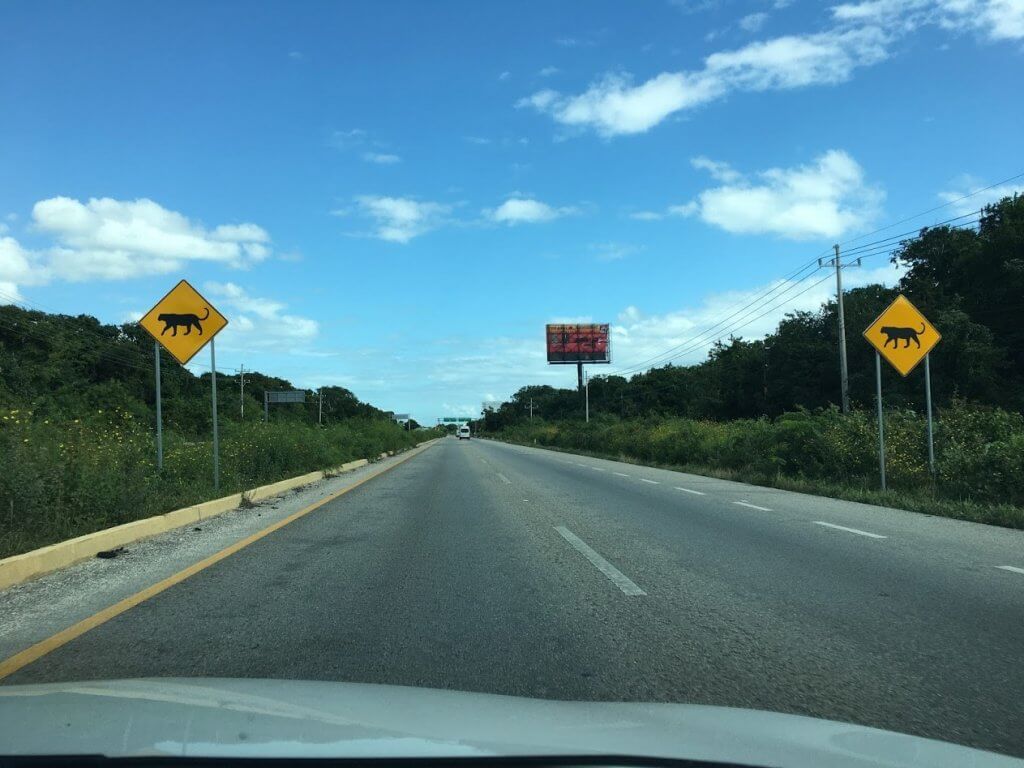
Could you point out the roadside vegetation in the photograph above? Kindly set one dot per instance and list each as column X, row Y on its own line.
column 77, row 430
column 765, row 411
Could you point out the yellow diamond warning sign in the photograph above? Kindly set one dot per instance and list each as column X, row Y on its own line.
column 183, row 322
column 902, row 335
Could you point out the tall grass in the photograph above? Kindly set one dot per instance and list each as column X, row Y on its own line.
column 979, row 454
column 60, row 480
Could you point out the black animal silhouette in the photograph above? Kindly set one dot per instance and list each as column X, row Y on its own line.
column 172, row 321
column 895, row 334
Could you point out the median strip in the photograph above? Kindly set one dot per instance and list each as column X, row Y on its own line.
column 614, row 574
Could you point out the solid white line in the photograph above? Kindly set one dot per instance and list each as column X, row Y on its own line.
column 652, row 482
column 614, row 574
column 504, row 479
column 752, row 506
column 620, row 474
column 850, row 530
column 1012, row 568
column 597, row 469
column 687, row 490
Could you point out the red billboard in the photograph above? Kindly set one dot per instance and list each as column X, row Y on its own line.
column 589, row 343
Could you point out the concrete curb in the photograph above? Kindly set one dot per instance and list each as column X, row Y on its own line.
column 19, row 568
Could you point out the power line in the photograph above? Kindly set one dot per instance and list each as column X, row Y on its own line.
column 936, row 208
column 866, row 250
column 723, row 319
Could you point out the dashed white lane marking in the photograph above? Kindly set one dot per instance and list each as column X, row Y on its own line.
column 580, row 465
column 614, row 574
column 597, row 469
column 752, row 506
column 851, row 530
column 620, row 474
column 504, row 479
column 1012, row 568
column 652, row 482
column 689, row 490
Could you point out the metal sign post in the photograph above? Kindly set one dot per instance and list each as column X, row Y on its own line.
column 881, row 424
column 159, row 409
column 928, row 408
column 216, row 436
column 904, row 337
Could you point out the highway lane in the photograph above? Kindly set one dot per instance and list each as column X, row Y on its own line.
column 486, row 567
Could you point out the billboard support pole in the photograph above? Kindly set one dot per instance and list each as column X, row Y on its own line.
column 881, row 425
column 213, row 397
column 579, row 375
column 159, row 409
column 586, row 395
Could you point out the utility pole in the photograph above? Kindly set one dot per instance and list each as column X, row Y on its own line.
column 531, row 409
column 320, row 416
column 844, row 379
column 241, row 384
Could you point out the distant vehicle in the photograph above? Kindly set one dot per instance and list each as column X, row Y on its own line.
column 464, row 432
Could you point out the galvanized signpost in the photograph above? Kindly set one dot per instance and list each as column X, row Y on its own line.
column 183, row 322
column 904, row 337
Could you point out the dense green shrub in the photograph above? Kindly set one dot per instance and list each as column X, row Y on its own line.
column 63, row 480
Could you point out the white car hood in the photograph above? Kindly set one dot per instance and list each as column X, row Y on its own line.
column 275, row 718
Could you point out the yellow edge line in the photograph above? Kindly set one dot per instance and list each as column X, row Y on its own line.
column 35, row 652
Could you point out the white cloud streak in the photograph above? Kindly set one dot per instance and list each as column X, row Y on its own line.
column 400, row 219
column 520, row 210
column 614, row 105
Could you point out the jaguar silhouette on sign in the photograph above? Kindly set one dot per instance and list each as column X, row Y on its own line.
column 174, row 321
column 906, row 335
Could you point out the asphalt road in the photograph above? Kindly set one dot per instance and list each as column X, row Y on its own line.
column 486, row 567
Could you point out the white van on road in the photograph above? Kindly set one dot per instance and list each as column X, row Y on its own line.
column 463, row 432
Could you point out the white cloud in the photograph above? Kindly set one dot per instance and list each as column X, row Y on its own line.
column 117, row 239
column 753, row 22
column 381, row 158
column 825, row 199
column 614, row 105
column 549, row 71
column 400, row 219
column 520, row 210
column 567, row 42
column 296, row 55
column 260, row 323
column 997, row 20
column 968, row 185
column 505, row 75
column 478, row 140
column 719, row 171
column 353, row 137
column 19, row 266
column 612, row 251
column 646, row 215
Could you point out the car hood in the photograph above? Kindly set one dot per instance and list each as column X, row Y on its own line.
column 275, row 718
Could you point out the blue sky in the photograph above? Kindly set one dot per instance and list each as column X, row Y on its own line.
column 396, row 196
